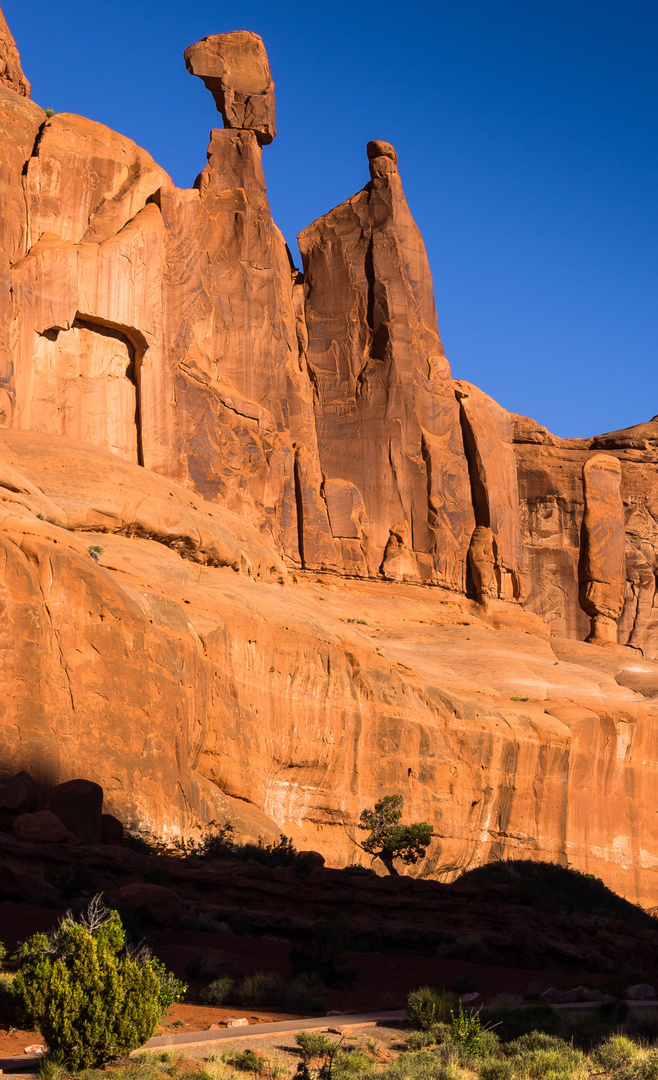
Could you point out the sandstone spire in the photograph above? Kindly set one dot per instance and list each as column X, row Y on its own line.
column 235, row 68
column 11, row 72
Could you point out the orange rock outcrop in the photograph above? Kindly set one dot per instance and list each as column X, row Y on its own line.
column 261, row 558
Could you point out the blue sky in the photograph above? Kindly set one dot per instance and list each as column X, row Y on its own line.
column 527, row 137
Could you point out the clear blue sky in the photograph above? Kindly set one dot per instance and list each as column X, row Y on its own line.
column 527, row 136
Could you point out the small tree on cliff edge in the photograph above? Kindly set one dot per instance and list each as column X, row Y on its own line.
column 389, row 839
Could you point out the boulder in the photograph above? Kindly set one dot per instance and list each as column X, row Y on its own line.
column 156, row 903
column 552, row 996
column 18, row 794
column 587, row 993
column 112, row 831
column 78, row 804
column 42, row 827
column 235, row 68
column 640, row 992
column 237, row 1021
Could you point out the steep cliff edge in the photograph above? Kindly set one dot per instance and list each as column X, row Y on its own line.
column 262, row 558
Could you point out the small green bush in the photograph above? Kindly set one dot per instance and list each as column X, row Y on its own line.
column 512, row 1021
column 219, row 992
column 467, row 1030
column 91, row 999
column 643, row 1067
column 496, row 1068
column 246, row 1061
column 263, row 988
column 314, row 1044
column 424, row 1065
column 427, row 1006
column 615, row 1053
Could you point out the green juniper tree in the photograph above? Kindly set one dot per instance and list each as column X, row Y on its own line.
column 391, row 840
column 91, row 998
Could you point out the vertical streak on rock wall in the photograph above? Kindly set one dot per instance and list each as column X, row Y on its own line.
column 603, row 564
column 386, row 417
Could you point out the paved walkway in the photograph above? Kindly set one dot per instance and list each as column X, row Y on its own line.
column 255, row 1031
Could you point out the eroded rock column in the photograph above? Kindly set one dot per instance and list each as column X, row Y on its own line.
column 602, row 562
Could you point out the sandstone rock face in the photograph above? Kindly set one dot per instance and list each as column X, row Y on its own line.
column 11, row 72
column 235, row 68
column 386, row 415
column 603, row 566
column 222, row 483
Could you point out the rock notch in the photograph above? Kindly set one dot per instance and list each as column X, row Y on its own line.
column 235, row 68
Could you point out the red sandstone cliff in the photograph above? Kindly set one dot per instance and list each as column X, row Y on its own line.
column 327, row 570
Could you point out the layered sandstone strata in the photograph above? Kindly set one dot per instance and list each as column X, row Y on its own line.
column 226, row 488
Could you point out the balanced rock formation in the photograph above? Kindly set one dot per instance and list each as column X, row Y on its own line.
column 262, row 559
column 235, row 68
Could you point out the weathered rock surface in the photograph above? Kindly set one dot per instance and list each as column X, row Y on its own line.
column 222, row 483
column 386, row 415
column 235, row 68
column 11, row 72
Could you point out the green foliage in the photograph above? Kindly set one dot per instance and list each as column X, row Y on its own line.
column 467, row 1030
column 512, row 1021
column 643, row 1067
column 246, row 1061
column 616, row 1053
column 495, row 1068
column 557, row 890
column 90, row 998
column 263, row 988
column 389, row 839
column 3, row 950
column 314, row 1044
column 219, row 842
column 427, row 1007
column 95, row 550
column 218, row 992
column 321, row 955
column 49, row 112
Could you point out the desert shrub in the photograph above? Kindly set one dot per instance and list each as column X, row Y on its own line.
column 532, row 1041
column 263, row 988
column 643, row 1067
column 314, row 1044
column 321, row 956
column 496, row 1068
column 205, row 965
column 427, row 1007
column 470, row 947
column 6, row 979
column 512, row 1021
column 246, row 1061
column 616, row 1053
column 90, row 997
column 219, row 991
column 3, row 950
column 557, row 890
column 437, row 1033
column 558, row 1064
column 643, row 1023
column 467, row 1030
column 424, row 1065
column 219, row 842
